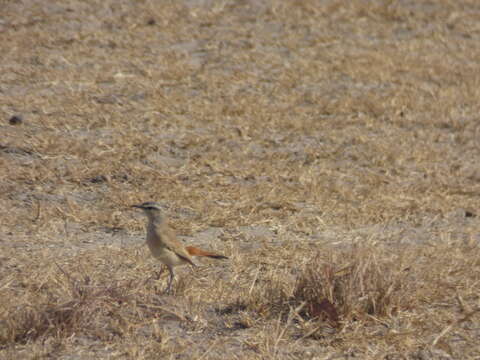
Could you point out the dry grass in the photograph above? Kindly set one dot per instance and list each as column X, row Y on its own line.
column 330, row 148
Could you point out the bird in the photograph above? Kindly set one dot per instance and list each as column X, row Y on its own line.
column 163, row 242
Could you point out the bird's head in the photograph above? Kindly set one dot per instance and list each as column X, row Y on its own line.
column 151, row 209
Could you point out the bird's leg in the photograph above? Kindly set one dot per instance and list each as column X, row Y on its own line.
column 170, row 281
column 158, row 273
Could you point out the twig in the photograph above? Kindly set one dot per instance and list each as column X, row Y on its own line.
column 254, row 281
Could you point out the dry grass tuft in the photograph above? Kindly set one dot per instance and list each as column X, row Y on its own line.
column 372, row 291
column 354, row 284
column 80, row 307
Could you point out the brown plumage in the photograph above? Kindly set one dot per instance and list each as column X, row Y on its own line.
column 193, row 251
column 163, row 242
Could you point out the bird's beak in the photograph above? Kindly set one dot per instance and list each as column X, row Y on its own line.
column 137, row 206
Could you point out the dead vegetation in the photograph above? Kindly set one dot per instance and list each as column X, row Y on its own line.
column 415, row 298
column 329, row 148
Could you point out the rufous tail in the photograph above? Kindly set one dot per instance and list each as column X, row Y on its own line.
column 192, row 250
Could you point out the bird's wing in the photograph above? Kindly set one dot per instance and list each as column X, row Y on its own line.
column 173, row 244
column 194, row 251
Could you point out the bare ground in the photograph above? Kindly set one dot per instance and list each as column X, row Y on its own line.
column 331, row 149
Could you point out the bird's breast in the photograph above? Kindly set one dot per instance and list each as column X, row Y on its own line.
column 164, row 254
